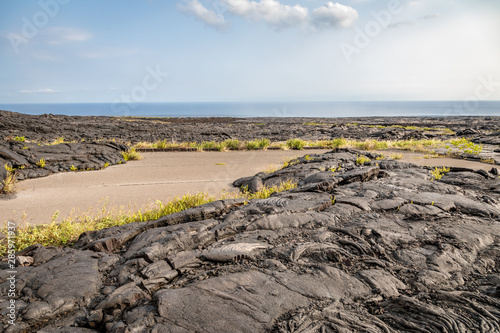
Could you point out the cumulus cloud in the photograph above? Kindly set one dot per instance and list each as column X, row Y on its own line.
column 209, row 17
column 333, row 15
column 272, row 13
column 38, row 91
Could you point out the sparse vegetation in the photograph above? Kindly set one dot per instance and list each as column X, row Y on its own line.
column 464, row 146
column 310, row 123
column 221, row 163
column 73, row 168
column 20, row 138
column 296, row 144
column 438, row 173
column 131, row 155
column 57, row 141
column 232, row 144
column 66, row 232
column 41, row 163
column 488, row 160
column 396, row 156
column 424, row 146
column 361, row 160
column 9, row 182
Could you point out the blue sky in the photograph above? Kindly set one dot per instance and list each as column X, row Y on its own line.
column 106, row 51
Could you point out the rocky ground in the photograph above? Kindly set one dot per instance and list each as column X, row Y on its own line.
column 133, row 130
column 92, row 147
column 380, row 247
column 31, row 160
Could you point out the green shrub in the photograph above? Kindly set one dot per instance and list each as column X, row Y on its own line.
column 361, row 160
column 41, row 163
column 9, row 182
column 438, row 173
column 296, row 144
column 231, row 144
column 131, row 155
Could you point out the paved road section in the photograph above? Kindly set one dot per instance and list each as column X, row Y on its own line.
column 134, row 185
column 158, row 176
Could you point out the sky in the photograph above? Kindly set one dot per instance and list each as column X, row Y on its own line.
column 105, row 51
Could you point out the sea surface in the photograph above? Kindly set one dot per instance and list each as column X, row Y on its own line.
column 274, row 109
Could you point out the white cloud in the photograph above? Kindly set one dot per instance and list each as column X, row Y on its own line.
column 58, row 35
column 38, row 91
column 333, row 15
column 273, row 13
column 209, row 17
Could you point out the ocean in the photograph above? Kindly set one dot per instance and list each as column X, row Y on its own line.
column 268, row 109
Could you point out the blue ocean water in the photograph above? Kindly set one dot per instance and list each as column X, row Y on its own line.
column 268, row 109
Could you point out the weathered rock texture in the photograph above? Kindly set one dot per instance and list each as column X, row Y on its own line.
column 48, row 127
column 372, row 248
column 26, row 158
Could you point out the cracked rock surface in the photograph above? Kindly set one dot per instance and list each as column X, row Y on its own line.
column 48, row 127
column 26, row 158
column 373, row 248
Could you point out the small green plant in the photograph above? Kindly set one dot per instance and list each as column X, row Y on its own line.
column 267, row 191
column 307, row 158
column 315, row 124
column 264, row 143
column 221, row 163
column 338, row 143
column 296, row 144
column 488, row 160
column 251, row 145
column 438, row 173
column 161, row 144
column 41, row 163
column 20, row 138
column 9, row 182
column 232, row 144
column 396, row 156
column 131, row 155
column 58, row 141
column 466, row 146
column 106, row 165
column 289, row 162
column 73, row 168
column 272, row 168
column 361, row 160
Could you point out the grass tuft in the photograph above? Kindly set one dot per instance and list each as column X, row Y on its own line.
column 296, row 144
column 396, row 156
column 66, row 232
column 361, row 160
column 41, row 163
column 9, row 182
column 438, row 173
column 131, row 155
